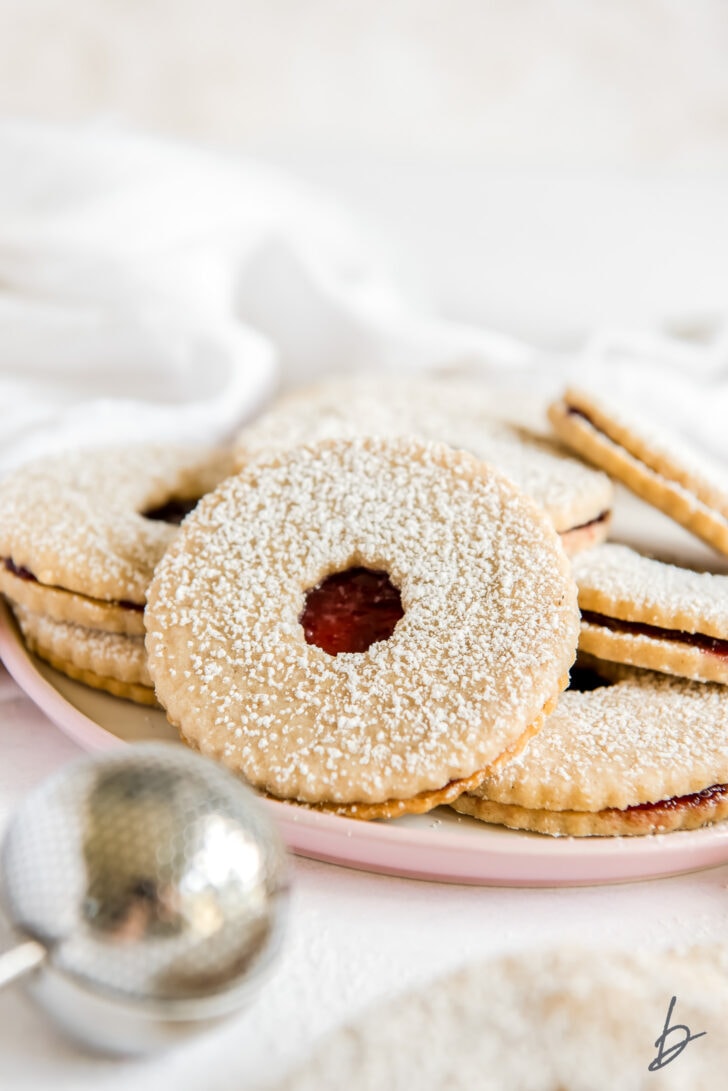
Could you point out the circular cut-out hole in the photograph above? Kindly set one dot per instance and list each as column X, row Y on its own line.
column 173, row 511
column 351, row 610
column 584, row 679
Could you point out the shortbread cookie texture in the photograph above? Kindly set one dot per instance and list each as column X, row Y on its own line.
column 657, row 466
column 427, row 800
column 645, row 755
column 650, row 614
column 112, row 662
column 571, row 1018
column 577, row 498
column 678, row 813
column 81, row 532
column 488, row 630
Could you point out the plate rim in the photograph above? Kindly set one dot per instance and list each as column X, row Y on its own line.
column 440, row 854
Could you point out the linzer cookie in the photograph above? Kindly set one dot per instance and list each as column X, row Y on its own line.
column 655, row 465
column 650, row 614
column 578, row 499
column 112, row 662
column 255, row 616
column 81, row 532
column 648, row 754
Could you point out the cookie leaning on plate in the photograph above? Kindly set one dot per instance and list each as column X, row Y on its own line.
column 577, row 498
column 81, row 532
column 654, row 464
column 650, row 614
column 487, row 635
column 113, row 662
column 647, row 754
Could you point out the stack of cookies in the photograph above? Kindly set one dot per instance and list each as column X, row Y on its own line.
column 646, row 751
column 80, row 536
column 372, row 608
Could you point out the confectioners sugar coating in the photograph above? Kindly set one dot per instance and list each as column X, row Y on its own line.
column 646, row 738
column 75, row 522
column 677, row 813
column 113, row 654
column 488, row 633
column 616, row 580
column 582, row 1019
column 108, row 661
column 461, row 414
column 617, row 583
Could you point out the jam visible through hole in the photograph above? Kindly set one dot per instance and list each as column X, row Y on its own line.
column 351, row 610
column 173, row 511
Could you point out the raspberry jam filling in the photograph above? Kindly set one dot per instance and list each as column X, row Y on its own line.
column 592, row 523
column 709, row 644
column 715, row 794
column 573, row 412
column 351, row 610
column 23, row 573
column 19, row 570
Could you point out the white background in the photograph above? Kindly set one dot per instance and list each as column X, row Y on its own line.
column 507, row 83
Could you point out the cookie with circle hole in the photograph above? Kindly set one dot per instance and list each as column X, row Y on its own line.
column 81, row 532
column 363, row 625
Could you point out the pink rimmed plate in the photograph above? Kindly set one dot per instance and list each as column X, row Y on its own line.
column 441, row 845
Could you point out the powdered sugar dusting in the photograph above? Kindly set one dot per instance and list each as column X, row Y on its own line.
column 457, row 413
column 646, row 738
column 490, row 621
column 74, row 519
column 539, row 1020
column 617, row 580
column 110, row 655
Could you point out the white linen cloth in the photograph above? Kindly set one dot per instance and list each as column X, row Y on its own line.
column 154, row 291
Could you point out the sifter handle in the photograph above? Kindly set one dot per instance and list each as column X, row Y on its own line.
column 20, row 960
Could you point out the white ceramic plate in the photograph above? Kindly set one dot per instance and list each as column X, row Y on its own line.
column 440, row 845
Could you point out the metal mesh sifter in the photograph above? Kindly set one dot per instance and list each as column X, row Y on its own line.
column 149, row 887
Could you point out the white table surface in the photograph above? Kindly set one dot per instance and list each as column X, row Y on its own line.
column 354, row 938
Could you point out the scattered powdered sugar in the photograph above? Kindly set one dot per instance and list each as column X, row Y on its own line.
column 645, row 738
column 74, row 519
column 615, row 579
column 575, row 1018
column 489, row 629
column 457, row 413
column 110, row 655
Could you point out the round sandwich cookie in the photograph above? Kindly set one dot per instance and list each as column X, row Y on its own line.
column 81, row 532
column 643, row 754
column 567, row 1019
column 113, row 662
column 461, row 414
column 366, row 625
column 656, row 465
column 651, row 614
